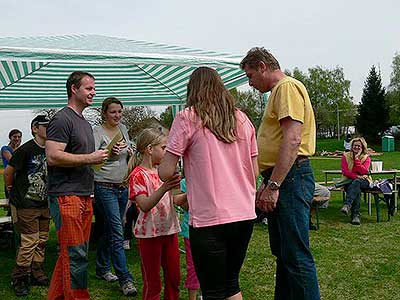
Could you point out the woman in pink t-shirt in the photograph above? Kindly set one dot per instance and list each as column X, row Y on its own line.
column 157, row 226
column 218, row 145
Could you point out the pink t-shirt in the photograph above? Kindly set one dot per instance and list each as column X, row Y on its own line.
column 162, row 218
column 219, row 176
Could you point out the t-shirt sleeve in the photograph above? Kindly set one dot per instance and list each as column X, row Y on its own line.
column 137, row 186
column 59, row 129
column 289, row 103
column 17, row 159
column 179, row 136
column 97, row 138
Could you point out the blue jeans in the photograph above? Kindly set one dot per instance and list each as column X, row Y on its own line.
column 296, row 275
column 353, row 194
column 111, row 203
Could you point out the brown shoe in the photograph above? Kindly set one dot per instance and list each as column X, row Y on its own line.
column 38, row 276
column 40, row 281
column 21, row 286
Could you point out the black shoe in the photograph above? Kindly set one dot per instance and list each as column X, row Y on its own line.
column 312, row 226
column 21, row 287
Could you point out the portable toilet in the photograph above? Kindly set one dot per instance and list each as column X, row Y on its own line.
column 387, row 143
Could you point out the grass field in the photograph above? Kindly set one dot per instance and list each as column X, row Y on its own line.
column 353, row 262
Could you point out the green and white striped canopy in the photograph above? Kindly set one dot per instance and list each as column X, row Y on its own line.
column 34, row 70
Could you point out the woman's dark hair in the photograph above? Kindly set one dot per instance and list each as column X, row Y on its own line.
column 14, row 131
column 106, row 103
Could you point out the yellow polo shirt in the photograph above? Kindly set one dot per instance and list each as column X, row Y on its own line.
column 289, row 98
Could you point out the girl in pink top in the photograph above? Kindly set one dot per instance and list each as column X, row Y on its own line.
column 355, row 165
column 157, row 225
column 218, row 145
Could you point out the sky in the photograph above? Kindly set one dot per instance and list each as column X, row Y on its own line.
column 353, row 35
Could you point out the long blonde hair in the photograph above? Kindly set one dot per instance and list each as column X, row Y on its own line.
column 363, row 142
column 148, row 136
column 213, row 103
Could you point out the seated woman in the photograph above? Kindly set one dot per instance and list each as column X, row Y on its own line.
column 355, row 166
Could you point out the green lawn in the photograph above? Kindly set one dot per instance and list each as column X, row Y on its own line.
column 353, row 262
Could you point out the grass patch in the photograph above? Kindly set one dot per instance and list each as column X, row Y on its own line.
column 353, row 262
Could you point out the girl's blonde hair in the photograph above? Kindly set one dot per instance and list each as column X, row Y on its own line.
column 147, row 137
column 213, row 103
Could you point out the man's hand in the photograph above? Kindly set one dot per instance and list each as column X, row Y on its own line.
column 98, row 157
column 266, row 198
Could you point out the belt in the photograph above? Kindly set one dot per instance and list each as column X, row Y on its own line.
column 111, row 184
column 299, row 159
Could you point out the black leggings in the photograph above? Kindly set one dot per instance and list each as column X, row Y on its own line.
column 218, row 254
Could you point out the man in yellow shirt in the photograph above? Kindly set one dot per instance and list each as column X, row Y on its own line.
column 286, row 138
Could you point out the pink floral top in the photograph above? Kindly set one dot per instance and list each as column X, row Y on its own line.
column 162, row 218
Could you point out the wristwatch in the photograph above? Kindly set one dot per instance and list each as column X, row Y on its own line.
column 273, row 185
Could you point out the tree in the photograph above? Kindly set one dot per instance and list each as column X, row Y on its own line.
column 136, row 118
column 49, row 112
column 329, row 93
column 166, row 117
column 373, row 115
column 393, row 94
column 251, row 102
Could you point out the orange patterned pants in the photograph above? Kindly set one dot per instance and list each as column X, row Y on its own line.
column 72, row 216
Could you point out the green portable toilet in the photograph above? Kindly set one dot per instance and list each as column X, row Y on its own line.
column 387, row 143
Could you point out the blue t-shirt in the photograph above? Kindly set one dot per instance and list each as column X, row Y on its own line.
column 185, row 221
column 3, row 158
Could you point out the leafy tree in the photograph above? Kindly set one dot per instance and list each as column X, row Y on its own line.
column 329, row 92
column 251, row 102
column 49, row 112
column 166, row 117
column 393, row 94
column 373, row 115
column 136, row 118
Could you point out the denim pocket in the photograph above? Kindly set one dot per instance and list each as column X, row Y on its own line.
column 308, row 186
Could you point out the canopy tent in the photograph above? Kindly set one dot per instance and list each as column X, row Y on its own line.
column 33, row 70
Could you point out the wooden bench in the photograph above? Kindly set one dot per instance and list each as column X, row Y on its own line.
column 377, row 194
column 5, row 220
column 4, row 203
column 7, row 234
column 315, row 204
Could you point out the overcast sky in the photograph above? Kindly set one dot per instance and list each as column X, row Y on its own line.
column 351, row 34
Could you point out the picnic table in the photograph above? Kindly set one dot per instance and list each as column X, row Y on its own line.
column 375, row 175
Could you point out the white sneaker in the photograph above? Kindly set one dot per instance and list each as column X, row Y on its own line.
column 109, row 277
column 127, row 245
column 128, row 289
